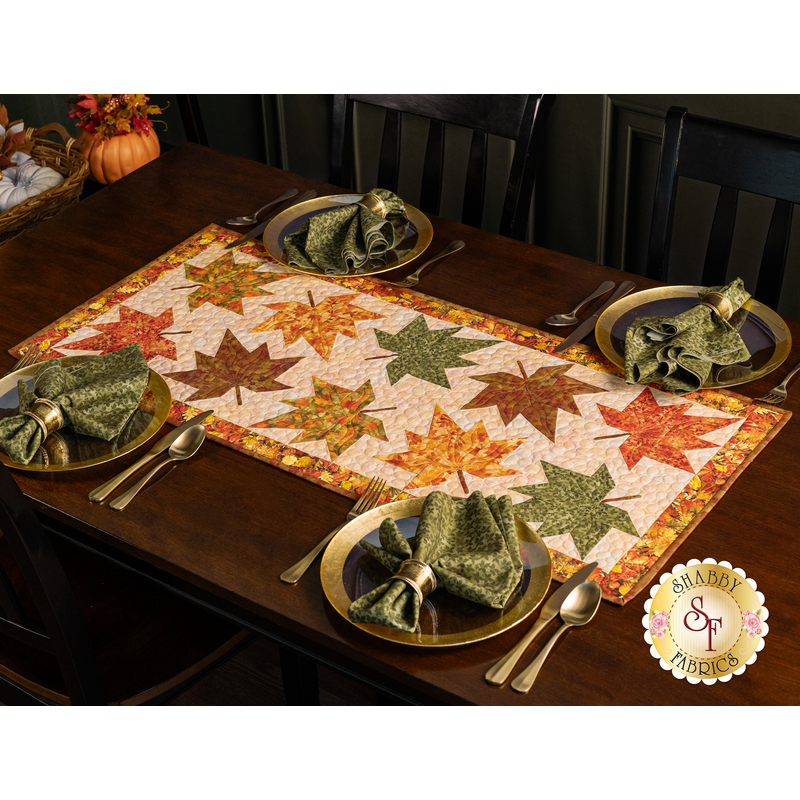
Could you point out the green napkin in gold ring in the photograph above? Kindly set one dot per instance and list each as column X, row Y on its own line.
column 679, row 351
column 470, row 543
column 342, row 239
column 96, row 396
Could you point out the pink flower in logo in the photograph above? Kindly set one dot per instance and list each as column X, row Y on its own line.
column 752, row 622
column 658, row 624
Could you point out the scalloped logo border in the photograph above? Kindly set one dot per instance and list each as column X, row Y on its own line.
column 656, row 630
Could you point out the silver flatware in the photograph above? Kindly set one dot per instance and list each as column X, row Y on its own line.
column 413, row 279
column 185, row 446
column 779, row 393
column 101, row 492
column 31, row 354
column 588, row 325
column 251, row 219
column 259, row 229
column 498, row 674
column 579, row 608
column 368, row 500
column 570, row 318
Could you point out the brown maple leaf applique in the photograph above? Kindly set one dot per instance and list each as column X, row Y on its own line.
column 317, row 323
column 448, row 450
column 233, row 366
column 133, row 326
column 538, row 397
column 224, row 283
column 660, row 432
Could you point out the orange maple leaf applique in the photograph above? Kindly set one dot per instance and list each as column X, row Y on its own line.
column 234, row 366
column 133, row 326
column 537, row 397
column 448, row 450
column 317, row 323
column 660, row 432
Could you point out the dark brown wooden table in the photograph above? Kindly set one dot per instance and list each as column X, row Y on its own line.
column 222, row 527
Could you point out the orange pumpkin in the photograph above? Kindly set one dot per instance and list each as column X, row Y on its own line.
column 113, row 159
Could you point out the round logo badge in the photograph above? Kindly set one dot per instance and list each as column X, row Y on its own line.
column 705, row 621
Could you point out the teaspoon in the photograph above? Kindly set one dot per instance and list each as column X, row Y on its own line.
column 571, row 318
column 186, row 445
column 578, row 609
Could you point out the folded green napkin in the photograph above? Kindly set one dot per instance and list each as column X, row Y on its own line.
column 337, row 241
column 471, row 544
column 96, row 396
column 679, row 351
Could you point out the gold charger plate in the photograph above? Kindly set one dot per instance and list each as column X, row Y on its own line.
column 67, row 450
column 763, row 331
column 445, row 620
column 419, row 236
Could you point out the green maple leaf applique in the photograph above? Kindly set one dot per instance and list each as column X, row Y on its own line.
column 426, row 354
column 571, row 502
column 224, row 283
column 334, row 414
column 538, row 397
column 234, row 366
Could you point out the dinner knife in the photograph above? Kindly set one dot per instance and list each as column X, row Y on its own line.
column 101, row 492
column 261, row 227
column 587, row 326
column 498, row 674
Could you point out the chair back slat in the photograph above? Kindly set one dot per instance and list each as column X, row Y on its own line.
column 62, row 630
column 718, row 252
column 520, row 118
column 10, row 602
column 738, row 159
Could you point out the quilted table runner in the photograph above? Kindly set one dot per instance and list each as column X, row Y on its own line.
column 339, row 380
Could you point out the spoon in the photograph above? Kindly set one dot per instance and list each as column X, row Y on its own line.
column 413, row 278
column 186, row 445
column 571, row 318
column 250, row 219
column 578, row 609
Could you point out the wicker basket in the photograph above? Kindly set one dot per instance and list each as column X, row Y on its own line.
column 63, row 158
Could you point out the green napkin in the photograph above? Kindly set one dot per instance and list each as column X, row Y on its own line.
column 471, row 544
column 679, row 351
column 96, row 396
column 338, row 241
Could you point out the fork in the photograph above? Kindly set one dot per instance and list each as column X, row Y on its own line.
column 31, row 354
column 367, row 501
column 413, row 279
column 779, row 394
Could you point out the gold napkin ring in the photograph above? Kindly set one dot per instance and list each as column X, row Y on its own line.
column 373, row 203
column 418, row 575
column 719, row 303
column 47, row 415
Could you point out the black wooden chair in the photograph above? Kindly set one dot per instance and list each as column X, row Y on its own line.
column 77, row 630
column 521, row 118
column 736, row 158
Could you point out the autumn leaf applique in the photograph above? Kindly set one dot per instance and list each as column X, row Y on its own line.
column 425, row 353
column 232, row 367
column 537, row 397
column 224, row 283
column 133, row 326
column 448, row 450
column 318, row 323
column 662, row 433
column 575, row 504
column 334, row 414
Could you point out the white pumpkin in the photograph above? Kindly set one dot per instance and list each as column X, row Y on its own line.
column 27, row 180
